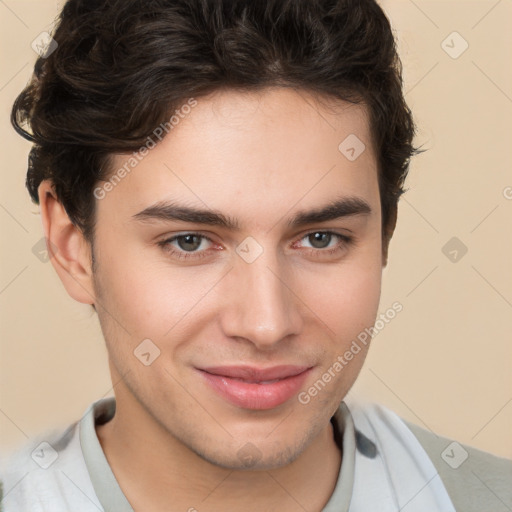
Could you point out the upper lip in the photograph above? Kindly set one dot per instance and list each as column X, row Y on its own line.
column 251, row 373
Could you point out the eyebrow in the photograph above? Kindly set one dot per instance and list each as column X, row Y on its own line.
column 169, row 211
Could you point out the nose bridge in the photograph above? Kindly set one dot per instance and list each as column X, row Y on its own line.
column 263, row 309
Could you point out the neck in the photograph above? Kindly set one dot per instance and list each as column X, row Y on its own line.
column 154, row 469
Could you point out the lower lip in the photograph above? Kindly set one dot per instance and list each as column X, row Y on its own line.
column 256, row 396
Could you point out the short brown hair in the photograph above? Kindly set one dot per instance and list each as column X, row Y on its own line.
column 122, row 66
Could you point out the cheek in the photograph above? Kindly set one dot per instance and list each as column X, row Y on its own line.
column 348, row 309
column 148, row 296
column 356, row 302
column 346, row 297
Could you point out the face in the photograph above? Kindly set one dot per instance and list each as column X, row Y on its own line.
column 264, row 280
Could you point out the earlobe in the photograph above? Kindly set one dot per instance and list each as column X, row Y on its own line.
column 68, row 250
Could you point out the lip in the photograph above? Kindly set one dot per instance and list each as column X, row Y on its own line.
column 256, row 388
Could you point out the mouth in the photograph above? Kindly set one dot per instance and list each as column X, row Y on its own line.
column 255, row 388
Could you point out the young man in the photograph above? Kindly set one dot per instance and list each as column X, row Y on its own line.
column 219, row 180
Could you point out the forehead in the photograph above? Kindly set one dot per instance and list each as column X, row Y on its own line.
column 254, row 153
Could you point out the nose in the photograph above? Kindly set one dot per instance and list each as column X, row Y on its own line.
column 261, row 306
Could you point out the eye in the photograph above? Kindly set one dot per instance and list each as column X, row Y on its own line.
column 321, row 242
column 187, row 245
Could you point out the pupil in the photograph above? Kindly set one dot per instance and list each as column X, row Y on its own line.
column 188, row 240
column 317, row 237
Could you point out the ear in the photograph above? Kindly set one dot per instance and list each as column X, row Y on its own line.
column 387, row 233
column 68, row 250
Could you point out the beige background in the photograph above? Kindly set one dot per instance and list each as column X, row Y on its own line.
column 444, row 362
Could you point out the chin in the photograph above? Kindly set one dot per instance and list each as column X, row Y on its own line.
column 256, row 455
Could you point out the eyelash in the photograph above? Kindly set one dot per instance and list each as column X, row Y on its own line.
column 165, row 245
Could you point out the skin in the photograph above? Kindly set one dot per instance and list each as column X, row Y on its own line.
column 259, row 158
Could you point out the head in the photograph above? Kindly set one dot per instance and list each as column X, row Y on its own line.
column 285, row 123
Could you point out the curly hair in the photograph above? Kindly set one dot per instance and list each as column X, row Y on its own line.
column 122, row 66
